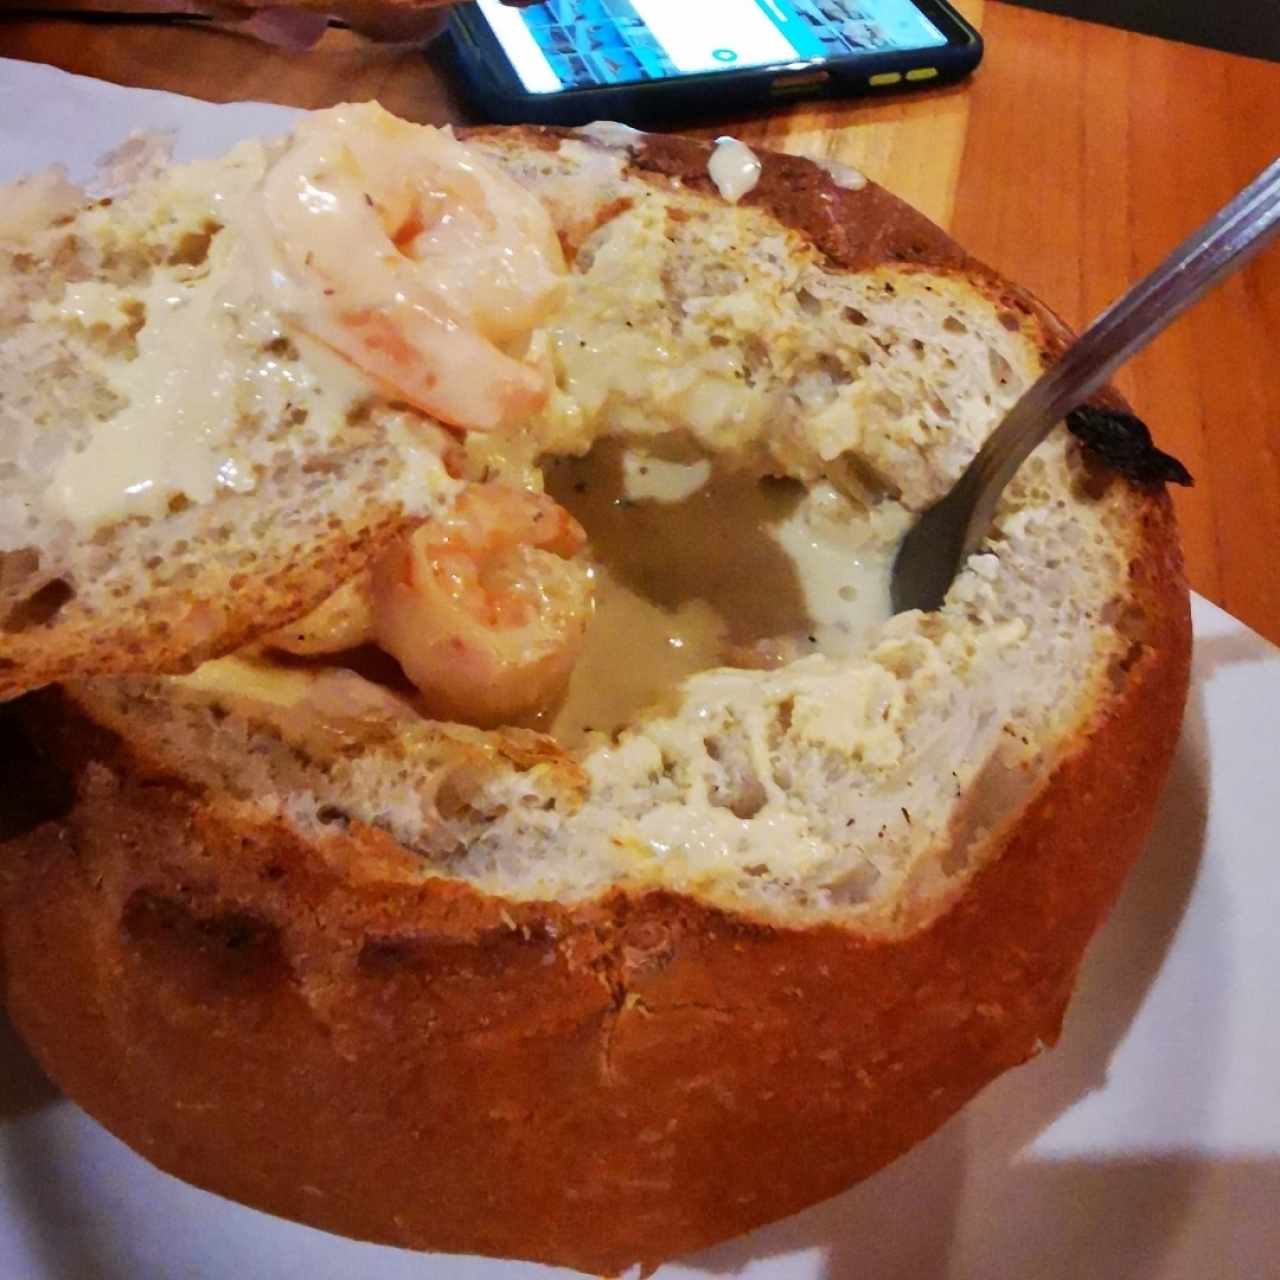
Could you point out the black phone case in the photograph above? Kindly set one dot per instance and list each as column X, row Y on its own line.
column 491, row 84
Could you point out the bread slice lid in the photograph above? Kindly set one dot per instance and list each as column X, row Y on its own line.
column 181, row 468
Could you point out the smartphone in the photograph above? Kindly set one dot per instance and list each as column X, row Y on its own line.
column 571, row 61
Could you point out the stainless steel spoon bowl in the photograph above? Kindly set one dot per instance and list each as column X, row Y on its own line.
column 936, row 548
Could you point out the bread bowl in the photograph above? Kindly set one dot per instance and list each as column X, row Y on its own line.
column 648, row 1056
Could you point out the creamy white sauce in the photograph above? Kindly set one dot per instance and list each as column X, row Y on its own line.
column 307, row 246
column 171, row 436
column 209, row 360
column 648, row 477
column 844, row 175
column 610, row 133
column 204, row 367
column 734, row 168
column 845, row 580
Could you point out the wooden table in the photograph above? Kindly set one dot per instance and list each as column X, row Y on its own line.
column 1073, row 161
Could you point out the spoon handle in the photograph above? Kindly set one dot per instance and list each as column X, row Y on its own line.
column 1227, row 241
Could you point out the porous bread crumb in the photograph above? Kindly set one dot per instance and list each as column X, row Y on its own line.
column 124, row 321
column 691, row 315
column 755, row 351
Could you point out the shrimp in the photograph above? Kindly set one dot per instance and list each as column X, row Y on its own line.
column 485, row 607
column 415, row 259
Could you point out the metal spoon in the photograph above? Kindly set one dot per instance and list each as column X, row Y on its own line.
column 936, row 548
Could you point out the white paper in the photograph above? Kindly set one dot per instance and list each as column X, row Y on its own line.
column 1145, row 1146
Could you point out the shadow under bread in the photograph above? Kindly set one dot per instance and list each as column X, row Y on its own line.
column 33, row 790
column 24, row 1088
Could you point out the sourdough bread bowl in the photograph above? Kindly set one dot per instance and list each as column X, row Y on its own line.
column 591, row 992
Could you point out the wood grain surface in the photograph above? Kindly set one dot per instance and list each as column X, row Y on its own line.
column 1073, row 161
column 1089, row 154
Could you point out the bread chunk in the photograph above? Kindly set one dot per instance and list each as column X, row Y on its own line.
column 179, row 471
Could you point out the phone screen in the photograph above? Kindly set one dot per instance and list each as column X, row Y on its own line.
column 571, row 44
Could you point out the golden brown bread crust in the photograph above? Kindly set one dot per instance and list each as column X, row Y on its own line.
column 856, row 227
column 314, row 1031
column 175, row 634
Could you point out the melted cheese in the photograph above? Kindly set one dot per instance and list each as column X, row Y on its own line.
column 252, row 678
column 311, row 705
